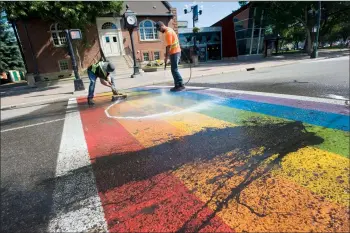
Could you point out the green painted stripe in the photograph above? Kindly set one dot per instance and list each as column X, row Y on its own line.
column 336, row 141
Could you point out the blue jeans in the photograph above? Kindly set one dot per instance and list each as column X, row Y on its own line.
column 92, row 85
column 174, row 61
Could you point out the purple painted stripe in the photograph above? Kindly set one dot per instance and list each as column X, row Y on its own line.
column 304, row 104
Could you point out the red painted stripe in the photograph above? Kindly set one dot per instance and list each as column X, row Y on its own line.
column 159, row 204
column 105, row 136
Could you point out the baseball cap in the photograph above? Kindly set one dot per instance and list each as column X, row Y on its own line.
column 110, row 67
column 159, row 24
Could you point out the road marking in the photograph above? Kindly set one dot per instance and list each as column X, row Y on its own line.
column 200, row 106
column 27, row 126
column 337, row 97
column 295, row 97
column 76, row 203
column 340, row 58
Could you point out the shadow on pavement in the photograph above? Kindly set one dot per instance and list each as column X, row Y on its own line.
column 28, row 158
column 55, row 110
column 25, row 90
column 117, row 170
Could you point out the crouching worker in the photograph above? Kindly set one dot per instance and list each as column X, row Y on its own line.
column 104, row 71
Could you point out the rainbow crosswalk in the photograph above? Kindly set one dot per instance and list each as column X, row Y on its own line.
column 217, row 161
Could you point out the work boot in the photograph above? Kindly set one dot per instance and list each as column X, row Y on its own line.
column 180, row 87
column 90, row 102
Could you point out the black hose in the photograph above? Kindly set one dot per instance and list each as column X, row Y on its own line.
column 190, row 71
column 189, row 79
column 190, row 75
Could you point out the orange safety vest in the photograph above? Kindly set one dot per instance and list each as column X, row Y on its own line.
column 172, row 41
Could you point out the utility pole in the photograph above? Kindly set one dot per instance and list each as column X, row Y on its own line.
column 78, row 82
column 195, row 13
column 314, row 53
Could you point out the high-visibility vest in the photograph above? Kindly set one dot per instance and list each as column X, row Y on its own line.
column 99, row 69
column 175, row 46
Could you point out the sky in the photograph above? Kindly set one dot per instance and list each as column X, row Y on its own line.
column 212, row 11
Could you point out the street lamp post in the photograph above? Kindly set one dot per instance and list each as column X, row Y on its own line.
column 314, row 53
column 74, row 34
column 130, row 21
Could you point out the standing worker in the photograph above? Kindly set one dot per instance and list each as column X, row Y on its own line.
column 102, row 70
column 173, row 49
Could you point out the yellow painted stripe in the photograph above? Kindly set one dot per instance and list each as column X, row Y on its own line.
column 325, row 173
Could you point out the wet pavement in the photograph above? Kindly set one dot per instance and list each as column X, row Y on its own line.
column 202, row 160
column 208, row 161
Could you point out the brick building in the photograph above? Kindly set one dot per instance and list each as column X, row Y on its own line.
column 44, row 44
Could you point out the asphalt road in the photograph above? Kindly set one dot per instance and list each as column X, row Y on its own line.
column 29, row 152
column 31, row 136
column 327, row 78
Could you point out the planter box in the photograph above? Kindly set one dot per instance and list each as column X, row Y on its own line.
column 151, row 69
column 16, row 76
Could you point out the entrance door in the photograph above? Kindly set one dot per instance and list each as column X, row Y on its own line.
column 110, row 45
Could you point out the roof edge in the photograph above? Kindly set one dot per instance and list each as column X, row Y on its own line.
column 167, row 5
column 243, row 8
column 155, row 15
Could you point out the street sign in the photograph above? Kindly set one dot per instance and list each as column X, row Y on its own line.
column 75, row 34
column 195, row 13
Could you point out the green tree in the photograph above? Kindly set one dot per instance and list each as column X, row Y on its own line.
column 11, row 58
column 242, row 3
column 294, row 35
column 282, row 15
column 71, row 14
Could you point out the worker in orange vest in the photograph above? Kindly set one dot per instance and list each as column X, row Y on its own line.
column 174, row 51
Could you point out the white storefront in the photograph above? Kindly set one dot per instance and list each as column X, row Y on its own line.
column 110, row 36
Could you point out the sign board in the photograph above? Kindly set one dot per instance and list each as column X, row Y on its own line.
column 75, row 34
column 204, row 29
column 195, row 13
column 182, row 24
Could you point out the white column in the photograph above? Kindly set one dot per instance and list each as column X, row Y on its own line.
column 261, row 19
column 251, row 40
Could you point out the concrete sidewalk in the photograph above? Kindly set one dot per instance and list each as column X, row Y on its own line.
column 26, row 96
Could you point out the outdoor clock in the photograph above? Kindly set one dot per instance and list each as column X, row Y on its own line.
column 130, row 19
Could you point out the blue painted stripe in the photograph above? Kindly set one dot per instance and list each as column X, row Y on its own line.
column 314, row 117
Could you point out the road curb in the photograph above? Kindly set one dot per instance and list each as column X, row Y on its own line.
column 79, row 94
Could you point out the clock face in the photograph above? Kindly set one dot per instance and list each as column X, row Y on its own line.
column 131, row 20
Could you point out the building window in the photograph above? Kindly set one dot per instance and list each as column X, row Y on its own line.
column 58, row 35
column 156, row 56
column 63, row 64
column 146, row 56
column 109, row 25
column 148, row 31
